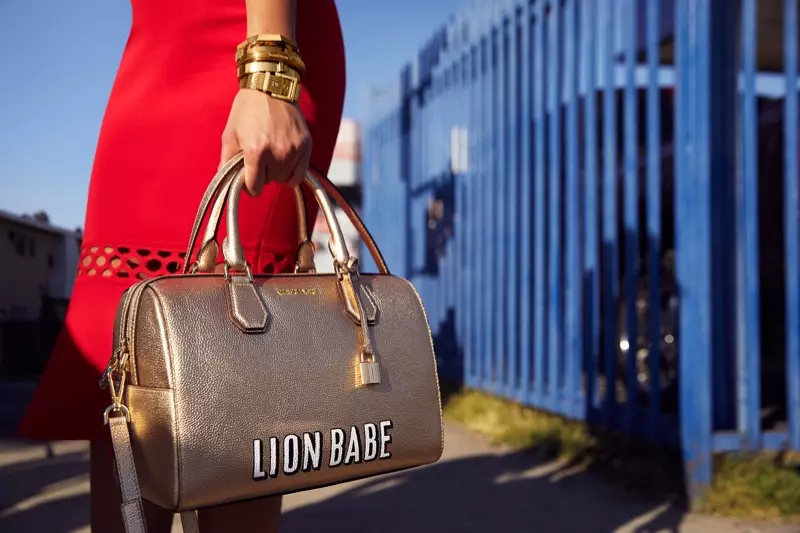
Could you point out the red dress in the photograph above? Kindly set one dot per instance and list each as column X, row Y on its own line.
column 159, row 146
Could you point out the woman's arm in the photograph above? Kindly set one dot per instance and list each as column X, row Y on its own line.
column 271, row 16
column 272, row 133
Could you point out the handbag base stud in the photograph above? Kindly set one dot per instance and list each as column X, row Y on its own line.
column 370, row 372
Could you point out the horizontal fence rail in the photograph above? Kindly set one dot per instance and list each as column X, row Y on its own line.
column 598, row 201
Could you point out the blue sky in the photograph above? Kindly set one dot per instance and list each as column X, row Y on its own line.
column 51, row 117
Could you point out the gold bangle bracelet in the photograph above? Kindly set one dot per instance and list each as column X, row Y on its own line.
column 266, row 49
column 265, row 66
column 299, row 67
column 292, row 60
column 268, row 38
column 274, row 84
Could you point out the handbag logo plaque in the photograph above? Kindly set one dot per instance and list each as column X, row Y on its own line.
column 227, row 386
column 298, row 292
column 347, row 447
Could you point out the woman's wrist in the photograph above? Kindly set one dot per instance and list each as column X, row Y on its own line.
column 268, row 60
column 271, row 16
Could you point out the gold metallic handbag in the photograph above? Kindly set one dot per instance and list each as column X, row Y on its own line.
column 228, row 386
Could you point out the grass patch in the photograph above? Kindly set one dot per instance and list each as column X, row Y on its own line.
column 764, row 486
column 519, row 427
column 760, row 486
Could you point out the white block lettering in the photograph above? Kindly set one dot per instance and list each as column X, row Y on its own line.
column 337, row 447
column 370, row 442
column 258, row 460
column 312, row 451
column 291, row 455
column 302, row 452
column 353, row 447
column 386, row 439
column 273, row 457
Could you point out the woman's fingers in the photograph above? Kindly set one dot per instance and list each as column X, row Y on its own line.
column 272, row 135
column 259, row 162
column 286, row 156
column 298, row 174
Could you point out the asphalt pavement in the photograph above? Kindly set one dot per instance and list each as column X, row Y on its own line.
column 475, row 487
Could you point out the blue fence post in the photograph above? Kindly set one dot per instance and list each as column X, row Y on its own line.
column 513, row 203
column 591, row 251
column 526, row 205
column 500, row 178
column 487, row 267
column 654, row 214
column 747, row 325
column 610, row 248
column 791, row 223
column 540, row 295
column 573, row 333
column 481, row 230
column 631, row 197
column 490, row 189
column 555, row 327
column 702, row 141
column 473, row 258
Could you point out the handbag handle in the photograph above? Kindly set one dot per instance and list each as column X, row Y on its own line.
column 232, row 245
column 209, row 246
column 219, row 187
column 355, row 298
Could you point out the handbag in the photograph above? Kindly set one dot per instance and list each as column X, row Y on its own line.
column 228, row 386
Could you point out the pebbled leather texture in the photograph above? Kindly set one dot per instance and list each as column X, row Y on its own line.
column 153, row 441
column 300, row 375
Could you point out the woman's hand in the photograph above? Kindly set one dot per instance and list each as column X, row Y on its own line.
column 273, row 136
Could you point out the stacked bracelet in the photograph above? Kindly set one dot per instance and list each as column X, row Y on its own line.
column 271, row 64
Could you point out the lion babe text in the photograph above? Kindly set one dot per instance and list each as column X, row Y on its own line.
column 303, row 453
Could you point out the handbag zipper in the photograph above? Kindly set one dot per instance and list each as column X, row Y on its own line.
column 113, row 360
column 121, row 357
column 129, row 323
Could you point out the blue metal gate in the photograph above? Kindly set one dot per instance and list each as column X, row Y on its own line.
column 598, row 201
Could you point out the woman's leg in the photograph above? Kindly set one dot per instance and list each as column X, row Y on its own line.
column 105, row 497
column 260, row 515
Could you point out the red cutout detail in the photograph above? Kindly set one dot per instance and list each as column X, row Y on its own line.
column 143, row 263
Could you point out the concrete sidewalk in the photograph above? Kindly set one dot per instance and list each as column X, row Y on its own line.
column 475, row 487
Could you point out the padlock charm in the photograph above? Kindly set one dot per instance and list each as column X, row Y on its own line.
column 370, row 372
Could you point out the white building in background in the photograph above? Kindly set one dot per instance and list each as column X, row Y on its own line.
column 37, row 259
column 345, row 174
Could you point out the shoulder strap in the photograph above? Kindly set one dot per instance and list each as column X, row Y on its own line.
column 132, row 510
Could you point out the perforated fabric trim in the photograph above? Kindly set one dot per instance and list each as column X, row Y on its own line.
column 142, row 263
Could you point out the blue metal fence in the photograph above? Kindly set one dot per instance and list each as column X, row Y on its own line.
column 598, row 201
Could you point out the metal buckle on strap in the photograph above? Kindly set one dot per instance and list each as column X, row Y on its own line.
column 281, row 86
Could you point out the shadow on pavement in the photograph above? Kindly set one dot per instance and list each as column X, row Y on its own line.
column 503, row 493
column 57, row 481
column 61, row 516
